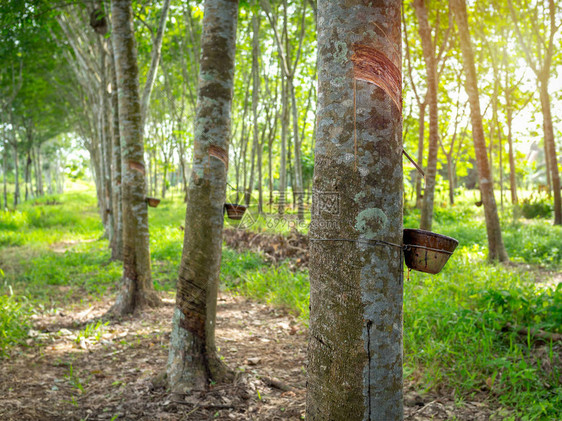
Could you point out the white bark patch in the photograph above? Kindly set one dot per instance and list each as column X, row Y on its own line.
column 371, row 222
column 179, row 339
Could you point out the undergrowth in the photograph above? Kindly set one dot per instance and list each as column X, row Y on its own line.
column 462, row 327
column 14, row 321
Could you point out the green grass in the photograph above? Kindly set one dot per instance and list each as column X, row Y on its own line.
column 455, row 323
column 14, row 321
column 455, row 334
column 246, row 274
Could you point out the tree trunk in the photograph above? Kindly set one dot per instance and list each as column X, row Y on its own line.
column 494, row 127
column 39, row 172
column 250, row 186
column 100, row 179
column 17, row 176
column 183, row 169
column 34, row 171
column 27, row 176
column 154, row 158
column 49, row 179
column 451, row 176
column 117, row 244
column 193, row 361
column 512, row 179
column 243, row 145
column 431, row 70
column 5, row 181
column 154, row 60
column 106, row 137
column 283, row 166
column 164, row 179
column 495, row 242
column 421, row 139
column 272, row 134
column 356, row 285
column 255, row 99
column 551, row 156
column 500, row 157
column 298, row 186
column 59, row 175
column 137, row 289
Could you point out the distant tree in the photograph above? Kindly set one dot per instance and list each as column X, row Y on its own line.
column 496, row 249
column 356, row 273
column 117, row 165
column 537, row 41
column 288, row 67
column 192, row 361
column 430, row 52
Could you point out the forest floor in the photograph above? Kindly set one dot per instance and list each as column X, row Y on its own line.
column 63, row 375
column 474, row 344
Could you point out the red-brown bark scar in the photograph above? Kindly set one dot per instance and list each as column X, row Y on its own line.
column 137, row 166
column 219, row 153
column 373, row 66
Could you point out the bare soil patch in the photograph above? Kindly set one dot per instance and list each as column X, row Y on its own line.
column 62, row 375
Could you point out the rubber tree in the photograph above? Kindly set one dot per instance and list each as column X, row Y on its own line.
column 137, row 290
column 429, row 52
column 539, row 57
column 496, row 248
column 117, row 243
column 193, row 360
column 356, row 274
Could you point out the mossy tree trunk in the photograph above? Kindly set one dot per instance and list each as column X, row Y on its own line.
column 193, row 361
column 355, row 345
column 137, row 289
column 496, row 249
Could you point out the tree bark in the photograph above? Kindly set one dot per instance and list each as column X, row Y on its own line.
column 27, row 176
column 496, row 249
column 5, row 181
column 39, row 171
column 137, row 289
column 155, row 59
column 512, row 178
column 283, row 164
column 255, row 99
column 17, row 176
column 117, row 244
column 106, row 138
column 192, row 361
column 451, row 176
column 542, row 68
column 356, row 285
column 431, row 69
column 298, row 186
column 288, row 68
column 421, row 141
column 551, row 155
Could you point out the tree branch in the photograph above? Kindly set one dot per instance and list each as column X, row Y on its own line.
column 156, row 52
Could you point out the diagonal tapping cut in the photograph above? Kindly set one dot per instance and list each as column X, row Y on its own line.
column 219, row 153
column 373, row 66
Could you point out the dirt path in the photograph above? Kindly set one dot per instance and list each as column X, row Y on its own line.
column 63, row 376
column 108, row 375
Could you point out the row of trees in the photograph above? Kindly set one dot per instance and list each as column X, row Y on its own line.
column 274, row 128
